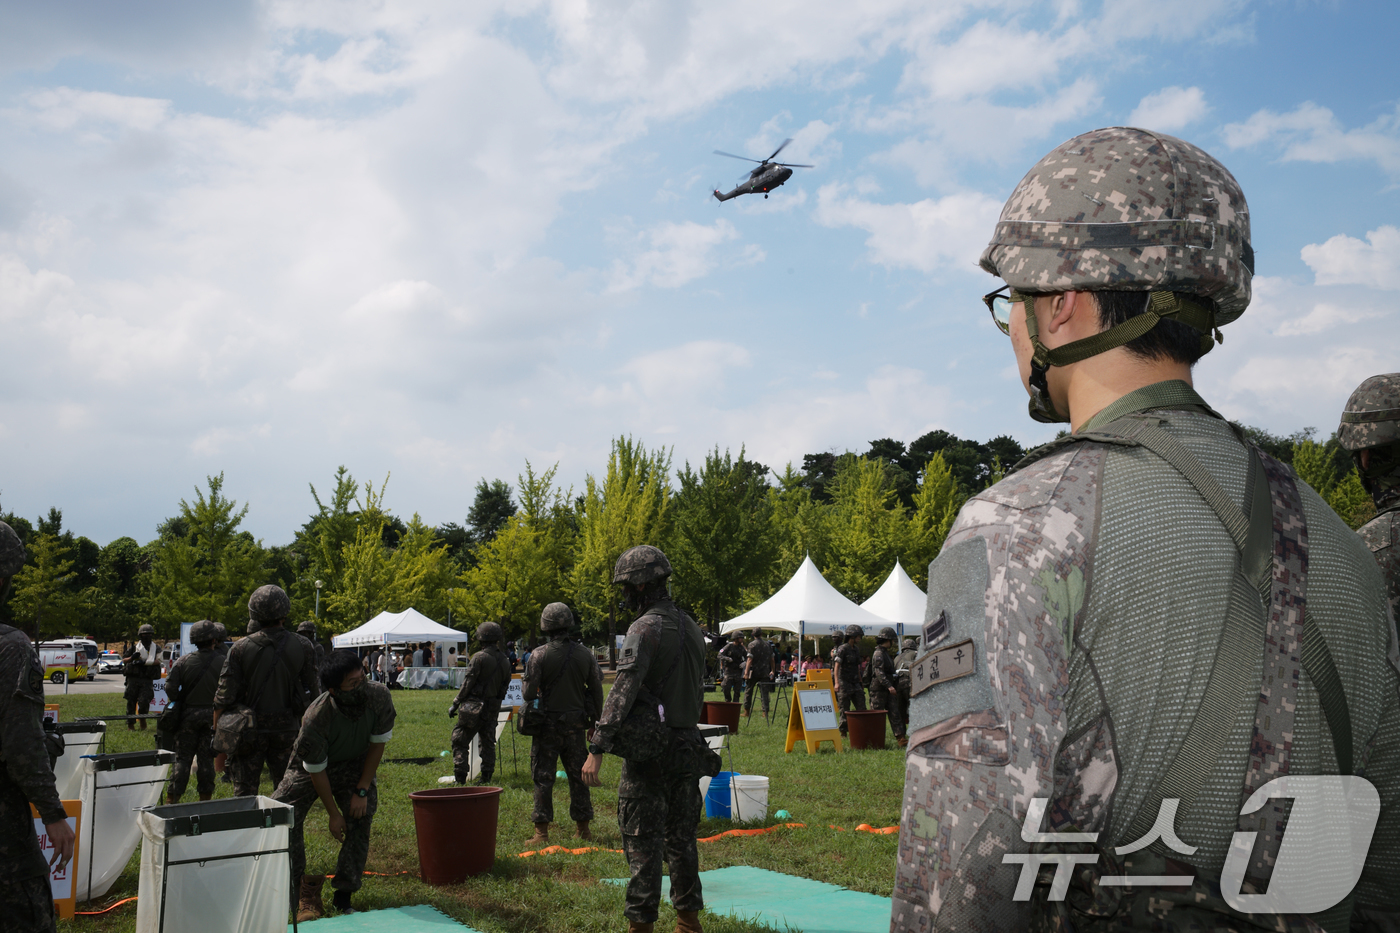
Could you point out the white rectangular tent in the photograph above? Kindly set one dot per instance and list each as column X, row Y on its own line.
column 808, row 606
column 397, row 628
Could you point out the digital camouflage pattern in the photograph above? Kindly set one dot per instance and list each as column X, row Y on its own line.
column 556, row 617
column 731, row 670
column 11, row 551
column 1382, row 536
column 1126, row 208
column 330, row 733
column 760, row 655
column 1372, row 414
column 272, row 746
column 566, row 677
column 489, row 633
column 640, row 565
column 296, row 789
column 884, row 689
column 552, row 746
column 269, row 604
column 198, row 675
column 291, row 678
column 28, row 903
column 850, row 693
column 25, row 775
column 478, row 706
column 904, row 684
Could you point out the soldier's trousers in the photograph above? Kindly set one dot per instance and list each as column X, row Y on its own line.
column 296, row 789
column 139, row 693
column 881, row 698
column 25, row 896
column 470, row 723
column 901, row 706
column 192, row 746
column 272, row 748
column 733, row 690
column 658, row 809
column 571, row 748
column 29, row 904
column 764, row 687
column 846, row 700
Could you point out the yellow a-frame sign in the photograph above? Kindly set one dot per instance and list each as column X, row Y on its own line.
column 812, row 717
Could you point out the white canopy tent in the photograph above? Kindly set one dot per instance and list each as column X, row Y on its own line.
column 900, row 600
column 808, row 606
column 397, row 628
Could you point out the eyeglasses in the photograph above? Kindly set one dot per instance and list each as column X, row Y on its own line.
column 1000, row 306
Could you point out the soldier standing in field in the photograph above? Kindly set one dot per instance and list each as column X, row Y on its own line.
column 904, row 684
column 731, row 667
column 658, row 805
column 272, row 672
column 142, row 669
column 884, row 692
column 307, row 630
column 566, row 680
column 845, row 659
column 1148, row 620
column 1370, row 429
column 26, row 773
column 758, row 672
column 191, row 684
column 477, row 707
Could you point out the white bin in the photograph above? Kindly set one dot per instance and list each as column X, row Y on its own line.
column 114, row 787
column 216, row 866
column 83, row 737
column 749, row 796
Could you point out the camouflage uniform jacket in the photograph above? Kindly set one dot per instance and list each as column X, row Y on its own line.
column 329, row 735
column 1089, row 584
column 904, row 663
column 761, row 658
column 648, row 653
column 199, row 681
column 847, row 654
column 292, row 677
column 488, row 676
column 881, row 669
column 1382, row 536
column 577, row 691
column 731, row 659
column 27, row 776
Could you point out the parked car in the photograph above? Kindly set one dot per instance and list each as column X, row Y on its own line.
column 110, row 662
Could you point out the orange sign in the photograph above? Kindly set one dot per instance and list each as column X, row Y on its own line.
column 65, row 899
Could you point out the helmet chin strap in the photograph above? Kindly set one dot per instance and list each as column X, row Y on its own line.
column 1160, row 305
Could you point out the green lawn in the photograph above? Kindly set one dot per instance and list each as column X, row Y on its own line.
column 563, row 891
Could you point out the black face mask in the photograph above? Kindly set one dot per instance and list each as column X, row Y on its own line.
column 352, row 702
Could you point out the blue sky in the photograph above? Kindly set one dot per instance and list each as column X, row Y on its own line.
column 433, row 240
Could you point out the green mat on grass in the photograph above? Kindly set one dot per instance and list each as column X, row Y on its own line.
column 395, row 920
column 787, row 902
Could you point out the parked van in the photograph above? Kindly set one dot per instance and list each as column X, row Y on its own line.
column 68, row 659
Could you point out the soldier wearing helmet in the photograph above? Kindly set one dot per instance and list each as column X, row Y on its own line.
column 142, row 669
column 477, row 706
column 26, row 774
column 307, row 630
column 731, row 667
column 273, row 673
column 846, row 672
column 1370, row 429
column 562, row 678
column 190, row 685
column 758, row 673
column 662, row 661
column 884, row 691
column 904, row 684
column 1116, row 625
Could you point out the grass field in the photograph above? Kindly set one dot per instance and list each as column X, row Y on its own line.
column 563, row 891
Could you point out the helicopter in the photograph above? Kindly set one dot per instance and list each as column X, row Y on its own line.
column 765, row 178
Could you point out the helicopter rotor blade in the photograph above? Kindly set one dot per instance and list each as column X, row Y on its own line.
column 792, row 165
column 733, row 156
column 778, row 150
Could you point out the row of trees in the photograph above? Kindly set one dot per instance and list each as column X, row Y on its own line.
column 735, row 532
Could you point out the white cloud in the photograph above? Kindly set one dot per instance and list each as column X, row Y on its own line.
column 931, row 234
column 1323, row 318
column 1344, row 260
column 679, row 253
column 679, row 373
column 1170, row 109
column 1311, row 133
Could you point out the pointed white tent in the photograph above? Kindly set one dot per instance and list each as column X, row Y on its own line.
column 900, row 600
column 396, row 628
column 807, row 606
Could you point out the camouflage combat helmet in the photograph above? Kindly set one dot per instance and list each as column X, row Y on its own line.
column 886, row 634
column 307, row 628
column 641, row 564
column 11, row 551
column 1372, row 415
column 1125, row 209
column 146, row 630
column 488, row 633
column 203, row 632
column 556, row 617
column 736, row 636
column 220, row 632
column 269, row 604
column 909, row 642
column 854, row 631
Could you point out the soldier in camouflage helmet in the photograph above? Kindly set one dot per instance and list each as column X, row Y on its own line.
column 658, row 805
column 758, row 673
column 731, row 667
column 845, row 663
column 1116, row 626
column 1370, row 429
column 190, row 686
column 884, row 691
column 904, row 684
column 477, row 707
column 26, row 774
column 142, row 669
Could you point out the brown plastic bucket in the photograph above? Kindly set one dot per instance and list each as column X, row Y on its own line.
column 719, row 713
column 456, row 832
column 867, row 729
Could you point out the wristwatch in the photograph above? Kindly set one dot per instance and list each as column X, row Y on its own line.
column 594, row 749
column 362, row 792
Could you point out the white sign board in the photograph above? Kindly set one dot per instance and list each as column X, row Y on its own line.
column 514, row 694
column 159, row 701
column 186, row 646
column 60, row 879
column 818, row 711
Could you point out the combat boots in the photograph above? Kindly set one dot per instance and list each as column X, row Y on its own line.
column 171, row 799
column 634, row 926
column 483, row 780
column 310, row 906
column 688, row 921
column 209, row 796
column 582, row 831
column 541, row 836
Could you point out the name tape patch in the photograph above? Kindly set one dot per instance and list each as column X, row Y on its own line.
column 940, row 666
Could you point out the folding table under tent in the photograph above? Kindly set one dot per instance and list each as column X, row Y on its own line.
column 900, row 600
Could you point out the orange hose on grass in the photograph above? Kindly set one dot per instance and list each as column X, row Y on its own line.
column 561, row 850
column 759, row 831
column 752, row 832
column 105, row 910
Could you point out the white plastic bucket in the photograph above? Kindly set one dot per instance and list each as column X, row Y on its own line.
column 704, row 786
column 750, row 795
